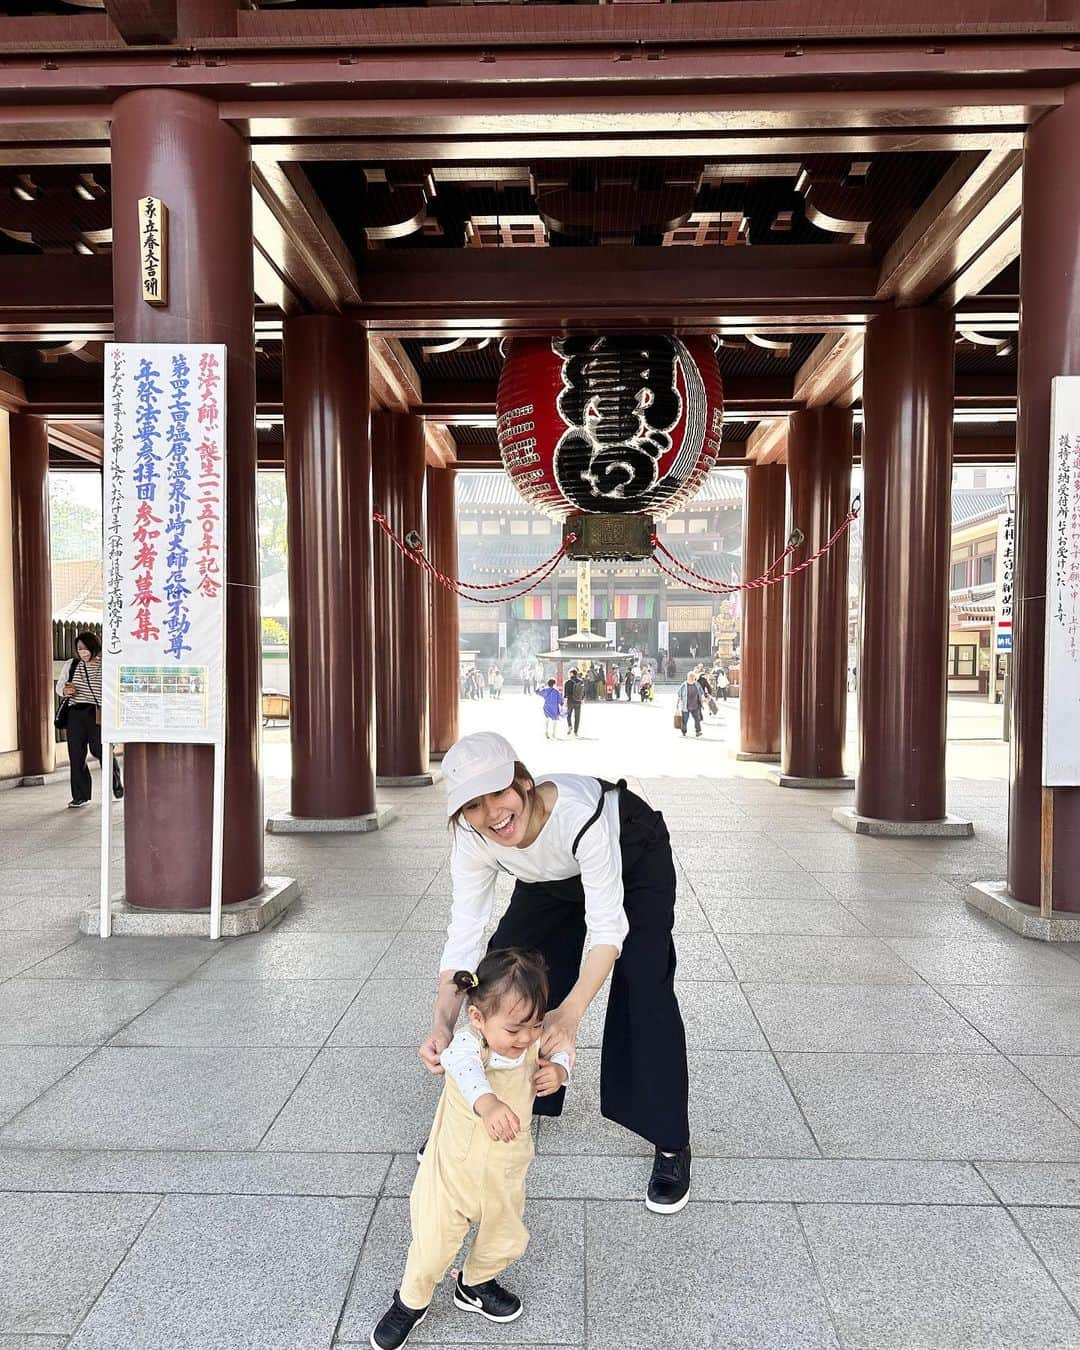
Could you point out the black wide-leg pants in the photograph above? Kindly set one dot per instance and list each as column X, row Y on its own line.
column 644, row 1082
column 84, row 733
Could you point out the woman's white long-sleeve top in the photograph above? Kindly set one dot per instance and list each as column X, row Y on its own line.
column 477, row 861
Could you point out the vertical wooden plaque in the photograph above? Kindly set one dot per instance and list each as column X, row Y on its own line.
column 154, row 250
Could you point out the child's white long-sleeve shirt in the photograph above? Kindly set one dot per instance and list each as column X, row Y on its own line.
column 463, row 1062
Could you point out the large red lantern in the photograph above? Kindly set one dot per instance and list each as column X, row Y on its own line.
column 609, row 425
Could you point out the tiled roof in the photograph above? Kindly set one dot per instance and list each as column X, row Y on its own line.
column 972, row 504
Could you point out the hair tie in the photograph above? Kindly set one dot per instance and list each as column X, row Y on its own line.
column 474, row 980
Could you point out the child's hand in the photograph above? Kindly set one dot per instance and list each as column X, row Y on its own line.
column 548, row 1078
column 499, row 1121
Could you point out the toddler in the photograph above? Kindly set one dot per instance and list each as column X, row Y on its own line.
column 480, row 1146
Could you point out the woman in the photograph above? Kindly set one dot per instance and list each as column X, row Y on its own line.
column 594, row 874
column 81, row 686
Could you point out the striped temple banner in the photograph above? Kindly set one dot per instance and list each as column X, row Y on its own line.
column 635, row 607
column 532, row 607
column 568, row 607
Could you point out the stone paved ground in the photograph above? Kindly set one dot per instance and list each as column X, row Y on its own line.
column 208, row 1147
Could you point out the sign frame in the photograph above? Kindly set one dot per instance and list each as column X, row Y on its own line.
column 204, row 410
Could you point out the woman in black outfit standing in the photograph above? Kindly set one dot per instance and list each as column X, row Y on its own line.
column 81, row 686
column 595, row 876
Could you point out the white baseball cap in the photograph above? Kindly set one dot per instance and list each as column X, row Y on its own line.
column 480, row 763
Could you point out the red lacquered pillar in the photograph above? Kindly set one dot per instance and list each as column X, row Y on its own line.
column 816, row 599
column 33, row 599
column 1049, row 346
column 907, row 504
column 761, row 657
column 172, row 144
column 331, row 590
column 401, row 602
column 442, row 546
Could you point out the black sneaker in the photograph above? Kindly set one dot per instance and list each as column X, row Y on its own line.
column 85, row 801
column 489, row 1299
column 669, row 1185
column 420, row 1151
column 396, row 1325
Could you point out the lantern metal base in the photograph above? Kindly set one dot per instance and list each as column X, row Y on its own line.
column 609, row 538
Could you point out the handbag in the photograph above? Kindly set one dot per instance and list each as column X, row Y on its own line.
column 711, row 704
column 677, row 722
column 60, row 720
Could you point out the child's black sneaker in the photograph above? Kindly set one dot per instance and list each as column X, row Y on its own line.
column 396, row 1325
column 489, row 1299
column 669, row 1185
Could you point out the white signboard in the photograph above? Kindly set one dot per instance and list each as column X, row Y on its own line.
column 1006, row 557
column 662, row 636
column 1061, row 714
column 163, row 670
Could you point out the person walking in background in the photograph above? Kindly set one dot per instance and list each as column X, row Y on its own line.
column 575, row 697
column 646, row 684
column 628, row 682
column 496, row 682
column 616, row 681
column 689, row 703
column 554, row 709
column 722, row 682
column 81, row 686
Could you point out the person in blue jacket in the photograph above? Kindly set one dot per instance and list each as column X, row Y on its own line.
column 554, row 708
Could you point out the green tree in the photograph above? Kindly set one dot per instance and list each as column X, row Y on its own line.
column 273, row 517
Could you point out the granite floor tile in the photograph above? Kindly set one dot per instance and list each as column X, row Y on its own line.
column 782, row 959
column 27, row 1070
column 740, row 1106
column 58, row 1251
column 1021, row 1020
column 548, row 1280
column 874, row 885
column 287, row 955
column 157, row 1098
column 265, row 1272
column 128, row 958
column 281, row 1012
column 753, row 1284
column 888, row 918
column 1018, row 962
column 70, row 1012
column 1056, row 1075
column 358, row 1098
column 410, row 955
column 861, row 1018
column 1055, row 1235
column 796, row 915
column 716, row 1017
column 390, row 1013
column 374, row 914
column 1025, row 1183
column 948, row 1278
column 699, row 956
column 20, row 952
column 157, row 1171
column 927, row 1106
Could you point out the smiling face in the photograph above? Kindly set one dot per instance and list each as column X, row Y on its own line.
column 510, row 1027
column 503, row 816
column 85, row 654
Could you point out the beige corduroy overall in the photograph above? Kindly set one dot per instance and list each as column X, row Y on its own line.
column 466, row 1177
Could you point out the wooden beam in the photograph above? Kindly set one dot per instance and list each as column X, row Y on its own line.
column 12, row 392
column 393, row 381
column 140, row 22
column 832, row 373
column 300, row 257
column 440, row 446
column 976, row 200
column 767, row 443
column 84, row 442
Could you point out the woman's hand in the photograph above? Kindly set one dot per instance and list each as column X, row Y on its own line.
column 499, row 1120
column 560, row 1032
column 548, row 1078
column 69, row 690
column 431, row 1048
